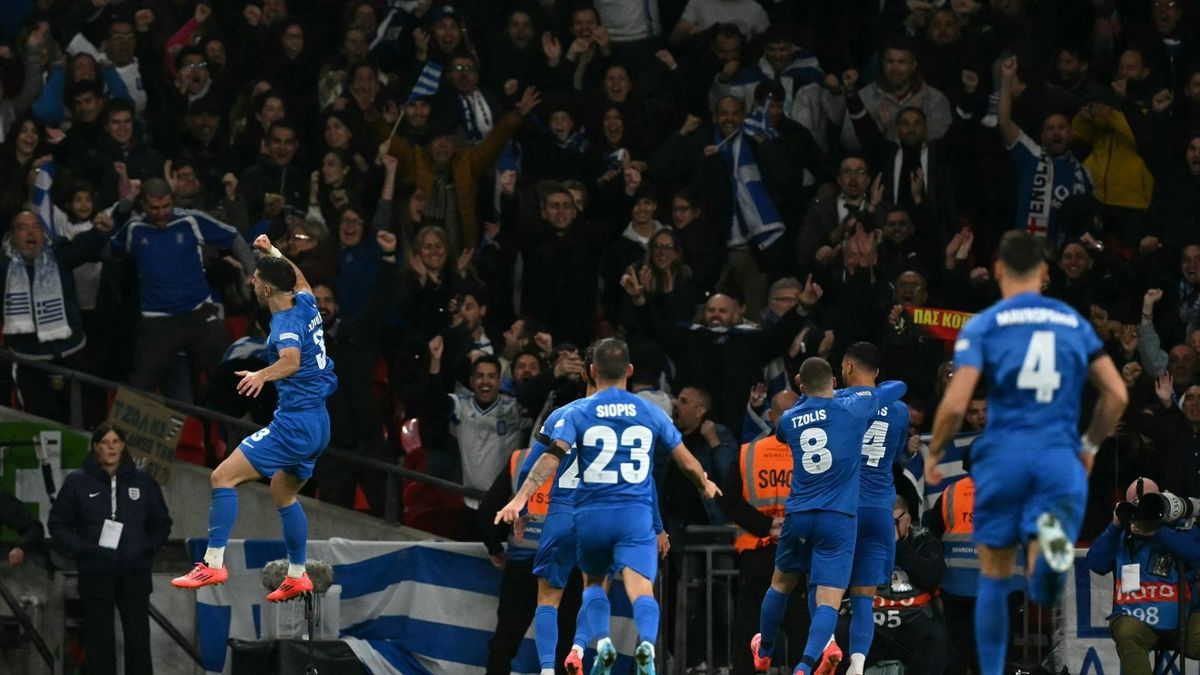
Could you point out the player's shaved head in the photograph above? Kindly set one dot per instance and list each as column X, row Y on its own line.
column 611, row 359
column 815, row 375
column 277, row 272
column 1021, row 253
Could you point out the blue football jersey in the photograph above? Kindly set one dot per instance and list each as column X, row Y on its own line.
column 885, row 435
column 301, row 328
column 826, row 438
column 616, row 435
column 1034, row 354
column 562, row 492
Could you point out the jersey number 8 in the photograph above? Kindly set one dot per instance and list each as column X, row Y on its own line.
column 815, row 457
column 636, row 439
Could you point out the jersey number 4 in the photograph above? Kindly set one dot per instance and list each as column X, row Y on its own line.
column 636, row 439
column 873, row 443
column 1038, row 372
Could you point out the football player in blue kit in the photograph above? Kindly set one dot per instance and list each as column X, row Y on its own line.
column 616, row 436
column 556, row 554
column 288, row 448
column 1030, row 465
column 825, row 433
column 555, row 558
column 875, row 547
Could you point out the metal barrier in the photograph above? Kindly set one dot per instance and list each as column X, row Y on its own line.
column 27, row 625
column 75, row 381
column 699, row 569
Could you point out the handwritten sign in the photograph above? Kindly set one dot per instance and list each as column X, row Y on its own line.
column 151, row 431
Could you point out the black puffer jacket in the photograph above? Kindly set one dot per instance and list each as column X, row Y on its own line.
column 86, row 501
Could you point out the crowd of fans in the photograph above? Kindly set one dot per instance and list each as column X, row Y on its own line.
column 476, row 191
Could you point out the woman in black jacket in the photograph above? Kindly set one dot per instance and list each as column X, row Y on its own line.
column 113, row 558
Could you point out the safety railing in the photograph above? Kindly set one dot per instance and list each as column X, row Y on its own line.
column 708, row 570
column 238, row 429
column 31, row 631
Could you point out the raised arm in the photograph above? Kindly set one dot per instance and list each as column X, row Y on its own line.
column 866, row 403
column 543, row 469
column 1008, row 75
column 949, row 418
column 263, row 245
column 691, row 468
column 1113, row 398
column 890, row 391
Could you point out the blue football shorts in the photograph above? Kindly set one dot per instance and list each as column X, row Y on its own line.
column 820, row 544
column 874, row 548
column 610, row 538
column 556, row 552
column 1011, row 492
column 292, row 442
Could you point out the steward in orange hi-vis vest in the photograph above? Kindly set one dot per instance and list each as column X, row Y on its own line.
column 756, row 491
column 766, row 477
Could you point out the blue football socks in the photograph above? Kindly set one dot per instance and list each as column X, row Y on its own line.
column 991, row 624
column 774, row 606
column 295, row 532
column 545, row 633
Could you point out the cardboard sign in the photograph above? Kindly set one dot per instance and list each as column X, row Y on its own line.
column 940, row 323
column 151, row 431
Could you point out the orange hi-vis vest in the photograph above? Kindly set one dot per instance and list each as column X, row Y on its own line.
column 962, row 559
column 537, row 506
column 766, row 482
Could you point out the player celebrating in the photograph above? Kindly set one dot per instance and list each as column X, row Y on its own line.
column 875, row 547
column 1030, row 466
column 825, row 433
column 556, row 554
column 555, row 557
column 287, row 449
column 616, row 435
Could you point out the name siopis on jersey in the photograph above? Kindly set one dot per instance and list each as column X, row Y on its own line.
column 616, row 410
column 808, row 418
column 314, row 322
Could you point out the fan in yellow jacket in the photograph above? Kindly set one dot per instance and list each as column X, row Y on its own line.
column 1120, row 175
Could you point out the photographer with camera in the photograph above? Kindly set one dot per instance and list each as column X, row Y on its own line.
column 1152, row 550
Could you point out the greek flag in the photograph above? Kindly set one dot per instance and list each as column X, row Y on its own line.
column 42, row 204
column 757, row 125
column 411, row 608
column 428, row 82
column 951, row 465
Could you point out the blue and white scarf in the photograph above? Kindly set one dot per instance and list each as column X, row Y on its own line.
column 755, row 219
column 42, row 307
column 38, row 307
column 475, row 115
